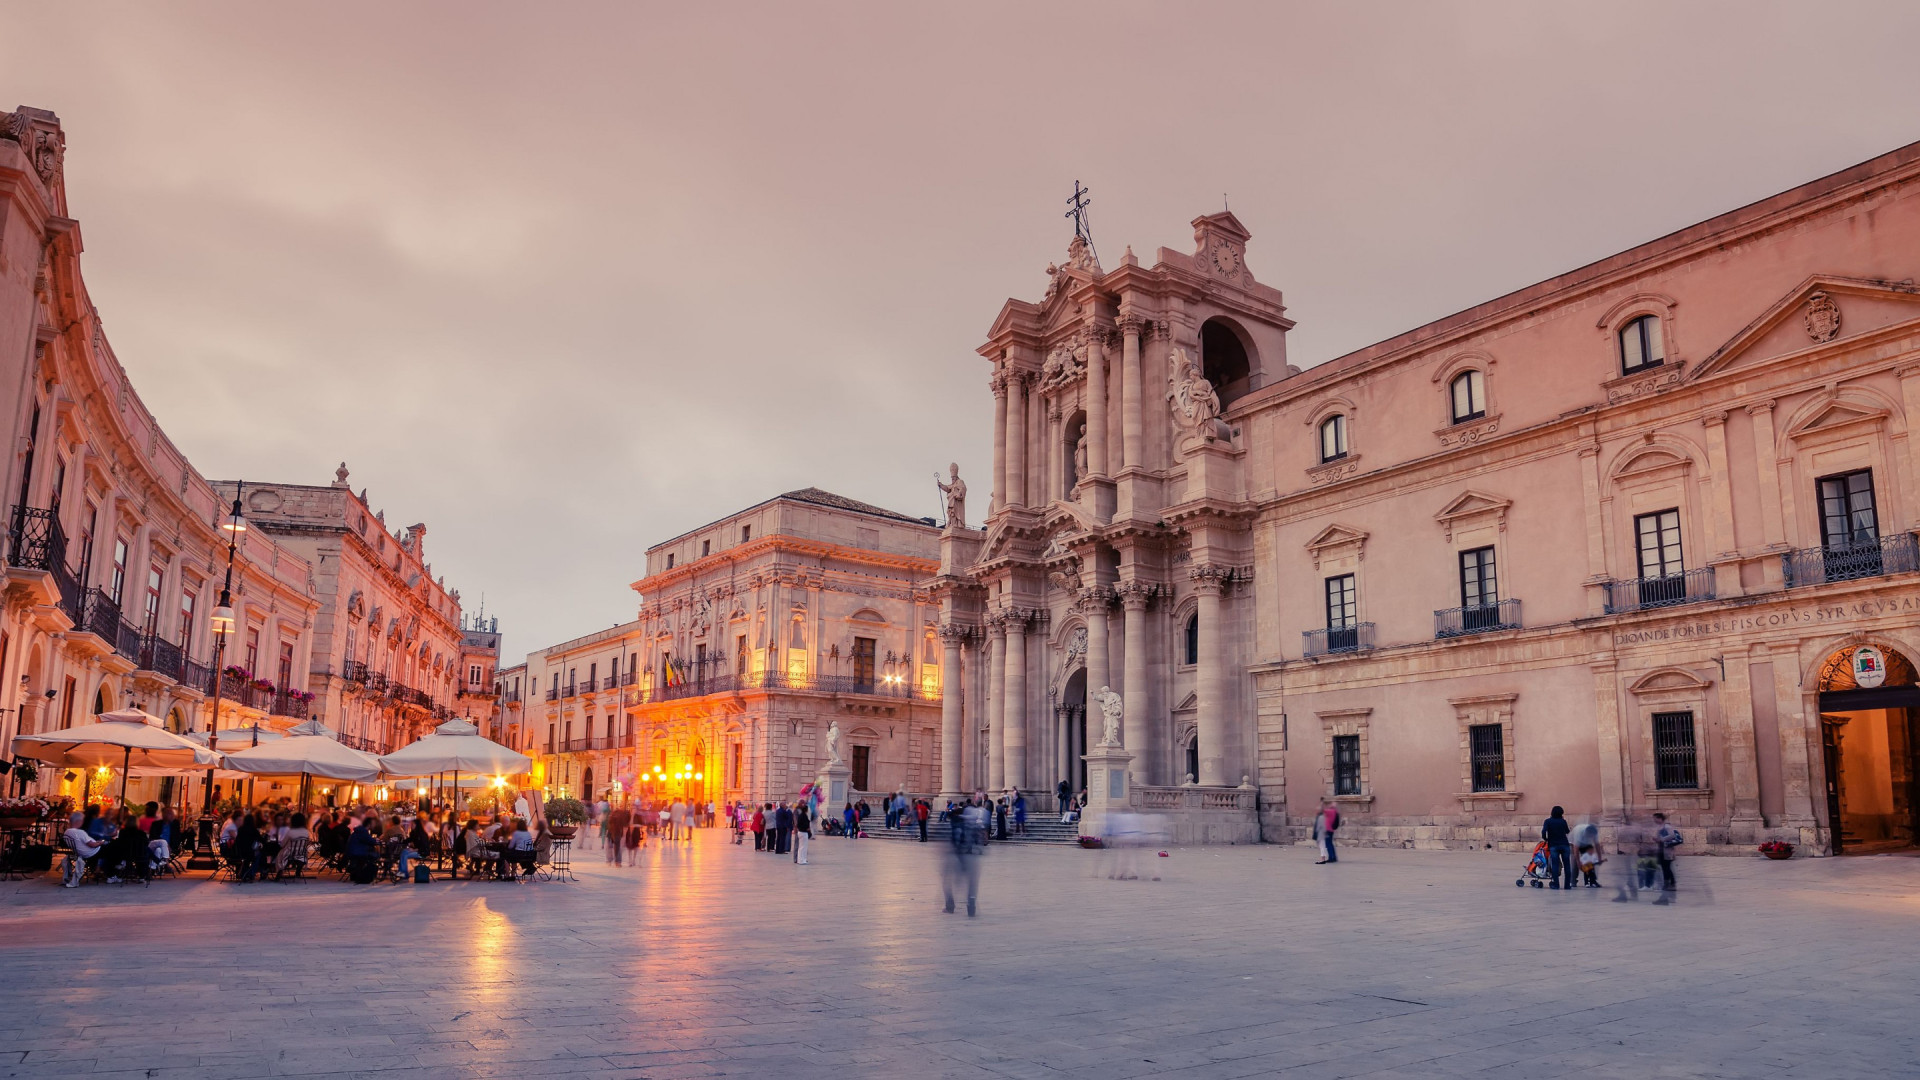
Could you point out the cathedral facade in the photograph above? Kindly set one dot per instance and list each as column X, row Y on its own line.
column 1638, row 538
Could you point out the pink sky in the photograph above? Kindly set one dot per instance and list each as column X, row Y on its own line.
column 564, row 280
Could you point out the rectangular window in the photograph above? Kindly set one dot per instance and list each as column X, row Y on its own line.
column 189, row 602
column 669, row 560
column 1346, row 764
column 66, row 706
column 740, row 654
column 286, row 665
column 700, row 660
column 863, row 663
column 253, row 650
column 1342, row 612
column 733, row 766
column 706, row 548
column 1479, row 590
column 1489, row 757
column 86, row 542
column 1343, row 625
column 1847, row 514
column 119, row 583
column 593, row 675
column 1676, row 762
column 1658, row 534
column 154, row 576
column 746, row 534
column 473, row 674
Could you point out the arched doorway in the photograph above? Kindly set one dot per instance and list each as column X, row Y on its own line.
column 586, row 785
column 1072, row 734
column 1869, row 702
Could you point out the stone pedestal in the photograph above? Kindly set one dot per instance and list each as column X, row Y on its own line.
column 1213, row 470
column 1109, row 787
column 834, row 778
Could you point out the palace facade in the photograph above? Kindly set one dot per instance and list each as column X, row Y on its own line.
column 1637, row 538
column 117, row 548
column 755, row 633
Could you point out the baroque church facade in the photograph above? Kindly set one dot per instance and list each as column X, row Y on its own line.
column 1636, row 538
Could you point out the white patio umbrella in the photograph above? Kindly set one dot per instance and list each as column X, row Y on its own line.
column 306, row 755
column 127, row 738
column 456, row 747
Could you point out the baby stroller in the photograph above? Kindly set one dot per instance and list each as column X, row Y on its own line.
column 1536, row 870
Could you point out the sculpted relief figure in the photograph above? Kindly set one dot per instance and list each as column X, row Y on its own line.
column 1196, row 408
column 955, row 491
column 1111, row 707
column 1080, row 456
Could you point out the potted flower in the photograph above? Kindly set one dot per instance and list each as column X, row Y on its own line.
column 237, row 673
column 1777, row 849
column 565, row 815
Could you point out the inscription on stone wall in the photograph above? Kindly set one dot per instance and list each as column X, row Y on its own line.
column 1770, row 620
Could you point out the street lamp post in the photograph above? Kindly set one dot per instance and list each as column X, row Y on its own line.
column 221, row 622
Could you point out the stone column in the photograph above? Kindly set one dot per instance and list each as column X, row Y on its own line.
column 1772, row 526
column 1210, row 584
column 1015, row 739
column 1131, row 423
column 1135, row 595
column 997, row 710
column 951, row 722
column 1016, row 461
column 1094, row 603
column 999, row 500
column 1097, row 404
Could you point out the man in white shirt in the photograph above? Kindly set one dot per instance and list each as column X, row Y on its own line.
column 84, row 848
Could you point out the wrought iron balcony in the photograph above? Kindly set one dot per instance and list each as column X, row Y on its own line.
column 574, row 689
column 287, row 703
column 553, row 695
column 197, row 676
column 611, row 682
column 1477, row 619
column 1339, row 639
column 772, row 680
column 1669, row 590
column 1896, row 554
column 35, row 540
column 354, row 671
column 162, row 656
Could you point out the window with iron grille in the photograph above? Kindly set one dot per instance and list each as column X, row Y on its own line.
column 1489, row 757
column 1676, row 762
column 1346, row 764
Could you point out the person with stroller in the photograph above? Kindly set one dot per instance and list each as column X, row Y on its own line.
column 1558, row 835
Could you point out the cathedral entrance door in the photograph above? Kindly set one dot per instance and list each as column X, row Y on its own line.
column 1072, row 735
column 1869, row 701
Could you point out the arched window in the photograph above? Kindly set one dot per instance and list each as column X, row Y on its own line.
column 1641, row 345
column 1224, row 360
column 1469, row 395
column 1333, row 438
column 1191, row 651
column 1193, row 757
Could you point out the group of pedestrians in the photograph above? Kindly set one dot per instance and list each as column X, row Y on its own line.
column 777, row 828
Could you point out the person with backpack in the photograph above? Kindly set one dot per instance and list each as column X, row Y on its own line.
column 1324, row 824
column 1666, row 838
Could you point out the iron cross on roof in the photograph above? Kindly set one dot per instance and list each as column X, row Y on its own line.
column 1078, row 212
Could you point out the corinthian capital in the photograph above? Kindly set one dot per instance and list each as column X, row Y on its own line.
column 955, row 633
column 1094, row 601
column 1131, row 324
column 1208, row 578
column 997, row 623
column 1136, row 595
column 999, row 383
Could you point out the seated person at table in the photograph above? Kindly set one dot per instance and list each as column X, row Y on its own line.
column 270, row 839
column 296, row 830
column 84, row 849
column 99, row 827
column 542, row 842
column 163, row 836
column 519, row 850
column 416, row 846
column 246, row 849
column 463, row 842
column 148, row 817
column 361, row 854
column 230, row 830
column 126, row 855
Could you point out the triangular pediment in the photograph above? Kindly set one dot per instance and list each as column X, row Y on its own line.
column 1822, row 309
column 1188, row 704
column 1835, row 409
column 1668, row 679
column 1334, row 536
column 1470, row 503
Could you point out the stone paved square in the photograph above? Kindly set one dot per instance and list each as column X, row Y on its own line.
column 711, row 960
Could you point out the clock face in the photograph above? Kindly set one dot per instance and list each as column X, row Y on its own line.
column 1225, row 259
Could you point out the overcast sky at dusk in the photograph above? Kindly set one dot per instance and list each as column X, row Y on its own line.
column 564, row 280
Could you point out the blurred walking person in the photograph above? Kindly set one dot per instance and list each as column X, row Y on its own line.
column 802, row 832
column 967, row 835
column 1324, row 823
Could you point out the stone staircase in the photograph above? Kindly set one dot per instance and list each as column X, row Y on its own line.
column 1041, row 829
